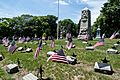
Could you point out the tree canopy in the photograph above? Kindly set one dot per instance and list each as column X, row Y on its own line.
column 28, row 25
column 109, row 19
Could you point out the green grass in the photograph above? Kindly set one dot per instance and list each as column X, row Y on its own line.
column 60, row 71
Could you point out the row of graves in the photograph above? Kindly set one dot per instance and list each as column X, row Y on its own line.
column 58, row 56
column 104, row 67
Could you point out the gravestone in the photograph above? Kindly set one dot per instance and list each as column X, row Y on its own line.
column 28, row 49
column 20, row 49
column 29, row 76
column 85, row 24
column 12, row 68
column 103, row 67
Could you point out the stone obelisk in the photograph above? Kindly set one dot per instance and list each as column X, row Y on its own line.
column 85, row 24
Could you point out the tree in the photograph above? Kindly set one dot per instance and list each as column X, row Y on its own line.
column 69, row 26
column 109, row 19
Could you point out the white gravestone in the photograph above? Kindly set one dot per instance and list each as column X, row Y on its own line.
column 12, row 68
column 29, row 76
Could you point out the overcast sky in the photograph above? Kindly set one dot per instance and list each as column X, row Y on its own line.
column 68, row 8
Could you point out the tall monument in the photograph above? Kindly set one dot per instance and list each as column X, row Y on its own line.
column 85, row 24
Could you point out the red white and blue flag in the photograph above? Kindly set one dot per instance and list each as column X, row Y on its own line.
column 12, row 47
column 86, row 37
column 100, row 42
column 69, row 45
column 38, row 49
column 58, row 58
column 114, row 35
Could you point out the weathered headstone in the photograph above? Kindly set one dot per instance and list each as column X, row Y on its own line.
column 12, row 68
column 85, row 24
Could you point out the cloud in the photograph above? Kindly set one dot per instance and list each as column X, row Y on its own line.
column 62, row 2
column 95, row 7
column 84, row 0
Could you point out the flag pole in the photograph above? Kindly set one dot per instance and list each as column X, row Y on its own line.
column 58, row 23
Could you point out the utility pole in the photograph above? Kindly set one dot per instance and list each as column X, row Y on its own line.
column 58, row 23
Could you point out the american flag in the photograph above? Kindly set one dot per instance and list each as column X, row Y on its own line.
column 38, row 50
column 68, row 35
column 12, row 47
column 85, row 37
column 58, row 58
column 100, row 42
column 114, row 35
column 69, row 45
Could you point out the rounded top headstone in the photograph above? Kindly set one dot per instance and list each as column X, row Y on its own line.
column 85, row 9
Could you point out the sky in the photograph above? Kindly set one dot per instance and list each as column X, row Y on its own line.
column 68, row 9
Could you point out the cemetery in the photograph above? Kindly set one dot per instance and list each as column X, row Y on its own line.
column 49, row 48
column 84, row 68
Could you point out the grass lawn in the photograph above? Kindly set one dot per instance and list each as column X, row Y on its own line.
column 61, row 71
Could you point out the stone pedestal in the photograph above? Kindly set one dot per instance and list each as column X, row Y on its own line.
column 85, row 24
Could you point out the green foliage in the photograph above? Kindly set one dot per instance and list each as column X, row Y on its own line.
column 109, row 19
column 67, row 25
column 28, row 25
